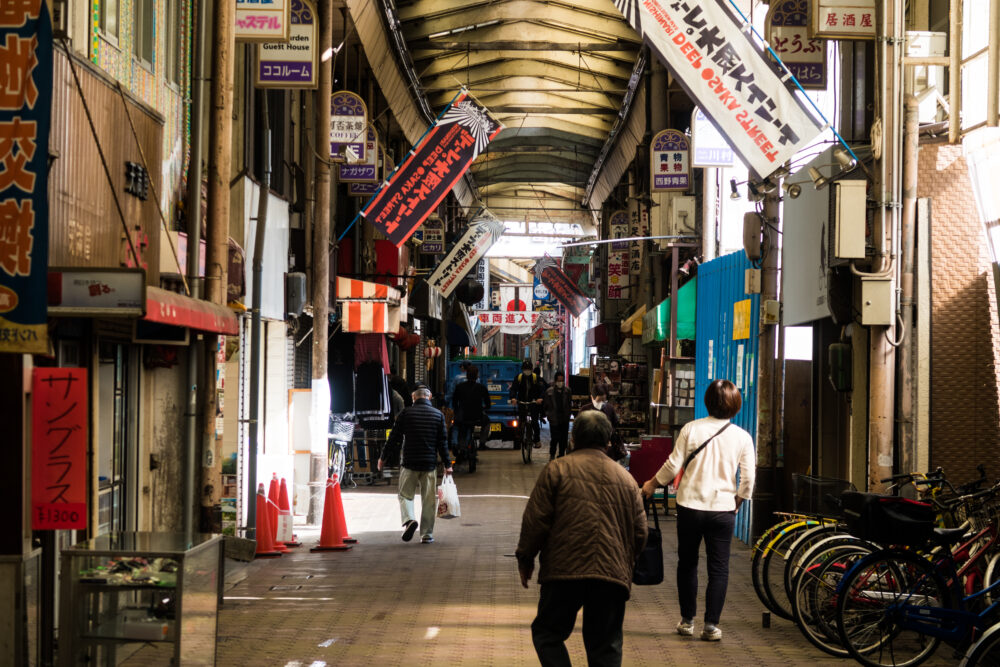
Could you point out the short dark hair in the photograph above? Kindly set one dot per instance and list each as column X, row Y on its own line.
column 559, row 374
column 591, row 430
column 723, row 399
column 465, row 365
column 472, row 373
column 526, row 366
column 599, row 390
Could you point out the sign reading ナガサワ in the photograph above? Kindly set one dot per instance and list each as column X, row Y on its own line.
column 348, row 126
column 365, row 171
column 728, row 76
column 59, row 448
column 291, row 64
column 262, row 20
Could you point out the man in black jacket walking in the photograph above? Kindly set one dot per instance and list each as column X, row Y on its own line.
column 420, row 431
column 471, row 400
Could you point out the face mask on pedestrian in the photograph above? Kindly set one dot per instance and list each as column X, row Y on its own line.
column 597, row 403
column 559, row 384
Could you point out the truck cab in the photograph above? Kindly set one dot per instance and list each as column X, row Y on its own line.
column 497, row 374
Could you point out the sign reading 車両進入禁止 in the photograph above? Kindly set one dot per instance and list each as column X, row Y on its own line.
column 669, row 161
column 365, row 171
column 561, row 286
column 786, row 29
column 58, row 448
column 432, row 168
column 728, row 75
column 514, row 322
column 25, row 107
column 262, row 20
column 291, row 64
column 477, row 240
column 348, row 126
column 843, row 19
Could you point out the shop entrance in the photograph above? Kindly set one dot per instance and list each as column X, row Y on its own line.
column 117, row 432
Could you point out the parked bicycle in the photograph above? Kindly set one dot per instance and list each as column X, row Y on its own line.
column 340, row 435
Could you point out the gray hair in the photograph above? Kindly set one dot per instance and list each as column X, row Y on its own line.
column 423, row 392
column 591, row 429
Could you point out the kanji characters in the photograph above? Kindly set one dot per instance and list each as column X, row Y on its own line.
column 14, row 13
column 21, row 135
column 17, row 65
column 17, row 220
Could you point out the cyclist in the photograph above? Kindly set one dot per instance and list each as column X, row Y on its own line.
column 525, row 393
column 470, row 402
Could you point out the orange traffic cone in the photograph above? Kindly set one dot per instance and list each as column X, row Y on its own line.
column 265, row 543
column 338, row 506
column 285, row 534
column 272, row 507
column 331, row 534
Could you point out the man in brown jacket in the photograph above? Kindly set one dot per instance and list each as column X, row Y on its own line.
column 586, row 519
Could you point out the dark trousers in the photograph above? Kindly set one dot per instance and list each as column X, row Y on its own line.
column 716, row 528
column 603, row 614
column 559, row 436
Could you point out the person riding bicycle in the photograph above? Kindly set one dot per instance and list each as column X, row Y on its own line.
column 470, row 401
column 525, row 393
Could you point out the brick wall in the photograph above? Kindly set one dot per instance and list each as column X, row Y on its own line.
column 965, row 337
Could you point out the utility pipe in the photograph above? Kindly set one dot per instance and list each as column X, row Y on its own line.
column 905, row 357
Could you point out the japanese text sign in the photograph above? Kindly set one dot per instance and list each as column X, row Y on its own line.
column 708, row 147
column 619, row 229
column 669, row 161
column 365, row 171
column 444, row 154
column 562, row 287
column 741, row 319
column 291, row 64
column 844, row 19
column 515, row 322
column 59, row 448
column 433, row 237
column 348, row 124
column 483, row 278
column 787, row 31
column 472, row 247
column 25, row 107
column 728, row 76
column 617, row 276
column 262, row 20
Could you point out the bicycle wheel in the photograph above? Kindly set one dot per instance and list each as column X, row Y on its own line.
column 992, row 576
column 773, row 568
column 985, row 652
column 760, row 550
column 472, row 454
column 337, row 467
column 872, row 616
column 525, row 444
column 803, row 544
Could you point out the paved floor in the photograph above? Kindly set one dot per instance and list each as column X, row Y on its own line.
column 458, row 601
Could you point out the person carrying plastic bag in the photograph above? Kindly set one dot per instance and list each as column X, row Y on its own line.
column 448, row 505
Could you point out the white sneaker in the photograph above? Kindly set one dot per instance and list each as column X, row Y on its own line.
column 685, row 628
column 711, row 633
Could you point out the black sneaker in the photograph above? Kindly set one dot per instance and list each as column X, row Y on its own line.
column 426, row 539
column 409, row 528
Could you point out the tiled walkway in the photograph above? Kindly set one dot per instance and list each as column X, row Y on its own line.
column 458, row 601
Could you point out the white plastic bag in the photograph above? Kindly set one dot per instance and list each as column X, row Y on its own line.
column 448, row 505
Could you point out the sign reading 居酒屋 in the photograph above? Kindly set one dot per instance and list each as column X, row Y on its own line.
column 786, row 29
column 262, row 20
column 669, row 158
column 25, row 106
column 444, row 154
column 728, row 75
column 348, row 126
column 844, row 19
column 291, row 64
column 59, row 448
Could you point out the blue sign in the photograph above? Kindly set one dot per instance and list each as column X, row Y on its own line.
column 25, row 110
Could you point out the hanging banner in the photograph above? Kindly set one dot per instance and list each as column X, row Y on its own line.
column 25, row 107
column 365, row 171
column 619, row 230
column 728, row 76
column 561, row 286
column 638, row 226
column 617, row 276
column 59, row 448
column 262, row 20
column 708, row 147
column 432, row 168
column 669, row 161
column 844, row 19
column 291, row 64
column 786, row 29
column 348, row 122
column 477, row 240
column 514, row 322
column 483, row 278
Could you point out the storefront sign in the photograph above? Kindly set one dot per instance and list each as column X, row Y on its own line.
column 348, row 121
column 741, row 319
column 728, row 76
column 433, row 237
column 291, row 64
column 562, row 286
column 515, row 322
column 541, row 297
column 477, row 240
column 432, row 168
column 96, row 292
column 617, row 275
column 483, row 278
column 844, row 19
column 619, row 229
column 25, row 105
column 59, row 448
column 362, row 189
column 708, row 147
column 365, row 171
column 262, row 20
column 669, row 158
column 787, row 31
column 638, row 227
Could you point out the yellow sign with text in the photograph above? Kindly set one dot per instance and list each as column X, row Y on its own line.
column 741, row 320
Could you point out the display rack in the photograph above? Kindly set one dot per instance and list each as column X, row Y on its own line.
column 132, row 587
column 626, row 378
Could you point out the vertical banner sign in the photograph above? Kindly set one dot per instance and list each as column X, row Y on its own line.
column 433, row 237
column 25, row 107
column 728, row 76
column 636, row 229
column 619, row 230
column 291, row 64
column 561, row 286
column 348, row 123
column 445, row 153
column 617, row 277
column 670, row 164
column 786, row 29
column 844, row 19
column 483, row 278
column 477, row 240
column 365, row 171
column 58, row 448
column 708, row 147
column 262, row 20
column 541, row 296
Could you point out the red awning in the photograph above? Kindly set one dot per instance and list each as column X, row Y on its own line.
column 167, row 307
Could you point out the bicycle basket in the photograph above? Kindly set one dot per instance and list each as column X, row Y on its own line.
column 818, row 496
column 888, row 519
column 341, row 430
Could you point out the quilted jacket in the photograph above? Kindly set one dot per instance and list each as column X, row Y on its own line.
column 585, row 517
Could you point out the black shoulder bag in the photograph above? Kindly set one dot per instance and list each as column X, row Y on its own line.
column 696, row 452
column 649, row 563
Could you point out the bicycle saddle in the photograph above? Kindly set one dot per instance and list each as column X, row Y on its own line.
column 949, row 535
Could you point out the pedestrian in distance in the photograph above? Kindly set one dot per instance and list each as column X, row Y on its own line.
column 470, row 401
column 558, row 408
column 420, row 432
column 710, row 451
column 599, row 402
column 526, row 394
column 586, row 522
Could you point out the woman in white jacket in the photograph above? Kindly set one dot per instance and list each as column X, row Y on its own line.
column 710, row 451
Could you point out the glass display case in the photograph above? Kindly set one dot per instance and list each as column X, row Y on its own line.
column 133, row 587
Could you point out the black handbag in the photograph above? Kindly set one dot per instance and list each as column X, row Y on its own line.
column 649, row 564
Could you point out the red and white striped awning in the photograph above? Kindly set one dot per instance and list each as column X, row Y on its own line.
column 367, row 307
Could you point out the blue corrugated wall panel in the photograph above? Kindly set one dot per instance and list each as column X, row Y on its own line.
column 718, row 356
